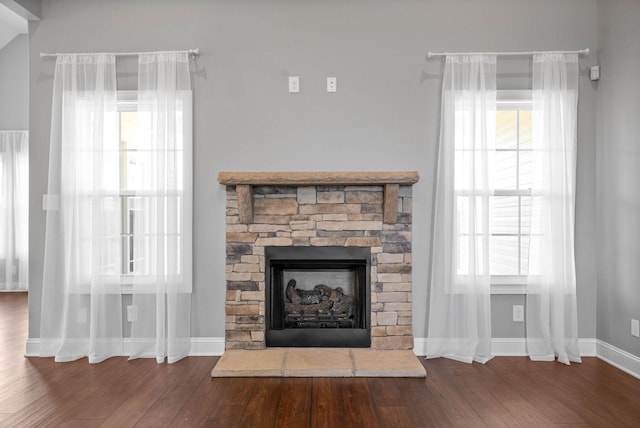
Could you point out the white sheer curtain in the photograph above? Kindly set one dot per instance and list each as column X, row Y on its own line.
column 14, row 210
column 552, row 325
column 163, row 219
column 459, row 310
column 81, row 293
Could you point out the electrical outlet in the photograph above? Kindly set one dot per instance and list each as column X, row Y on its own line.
column 635, row 328
column 132, row 313
column 518, row 313
column 294, row 84
column 332, row 84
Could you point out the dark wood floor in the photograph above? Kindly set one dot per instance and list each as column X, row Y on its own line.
column 510, row 392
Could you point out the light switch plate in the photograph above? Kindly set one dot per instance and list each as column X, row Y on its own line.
column 332, row 84
column 294, row 84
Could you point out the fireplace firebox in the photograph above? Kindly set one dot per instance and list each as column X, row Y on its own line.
column 318, row 296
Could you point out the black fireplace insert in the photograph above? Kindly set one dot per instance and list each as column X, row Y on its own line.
column 318, row 297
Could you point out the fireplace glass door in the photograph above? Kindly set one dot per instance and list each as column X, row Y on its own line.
column 318, row 296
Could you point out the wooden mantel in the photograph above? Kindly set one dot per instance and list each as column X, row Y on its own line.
column 390, row 180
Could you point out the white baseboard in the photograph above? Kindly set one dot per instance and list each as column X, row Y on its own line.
column 420, row 346
column 508, row 346
column 206, row 346
column 516, row 347
column 619, row 358
column 588, row 347
column 511, row 346
column 33, row 348
column 200, row 347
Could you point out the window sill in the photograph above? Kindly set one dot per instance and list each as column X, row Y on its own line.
column 130, row 284
column 508, row 284
column 124, row 290
column 508, row 289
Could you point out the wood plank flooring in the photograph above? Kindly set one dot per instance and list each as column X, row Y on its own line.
column 506, row 392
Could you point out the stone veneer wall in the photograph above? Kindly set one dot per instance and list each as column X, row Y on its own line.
column 319, row 216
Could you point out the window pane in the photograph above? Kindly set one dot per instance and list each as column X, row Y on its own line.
column 526, row 170
column 462, row 210
column 524, row 255
column 137, row 172
column 127, row 226
column 470, row 214
column 106, row 255
column 129, row 212
column 144, row 245
column 133, row 164
column 525, row 215
column 140, row 248
column 525, row 129
column 468, row 264
column 505, row 215
column 143, row 130
column 463, row 256
column 146, row 249
column 504, row 255
column 511, row 215
column 128, row 130
column 506, row 129
column 506, row 170
column 536, row 227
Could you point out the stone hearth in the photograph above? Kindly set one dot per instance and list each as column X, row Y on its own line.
column 325, row 362
column 300, row 209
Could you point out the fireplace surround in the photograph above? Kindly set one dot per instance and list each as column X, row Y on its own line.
column 368, row 211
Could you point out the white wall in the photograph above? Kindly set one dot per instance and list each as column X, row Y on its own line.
column 384, row 116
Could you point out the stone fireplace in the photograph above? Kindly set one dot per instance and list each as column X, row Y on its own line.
column 269, row 215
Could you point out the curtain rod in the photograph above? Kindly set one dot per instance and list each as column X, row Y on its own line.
column 194, row 52
column 440, row 54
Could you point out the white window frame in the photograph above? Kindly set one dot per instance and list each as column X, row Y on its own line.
column 127, row 100
column 511, row 100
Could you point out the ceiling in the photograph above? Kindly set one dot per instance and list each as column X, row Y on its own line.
column 11, row 24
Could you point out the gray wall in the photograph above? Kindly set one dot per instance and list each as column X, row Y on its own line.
column 618, row 172
column 31, row 8
column 384, row 116
column 14, row 84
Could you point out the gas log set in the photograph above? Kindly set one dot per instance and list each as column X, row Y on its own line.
column 322, row 306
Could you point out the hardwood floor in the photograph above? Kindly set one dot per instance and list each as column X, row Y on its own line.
column 510, row 392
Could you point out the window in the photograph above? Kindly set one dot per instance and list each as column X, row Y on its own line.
column 132, row 163
column 14, row 210
column 139, row 195
column 512, row 183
